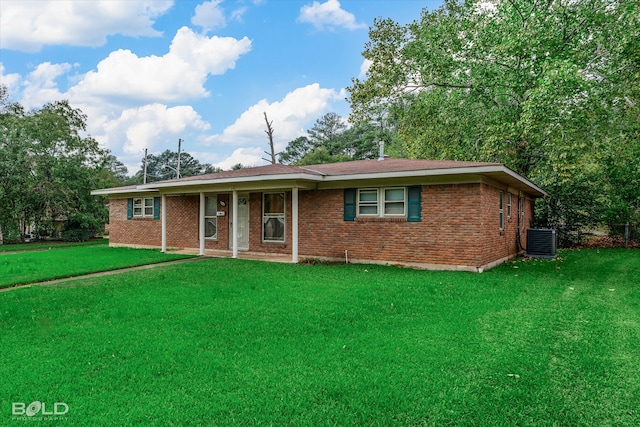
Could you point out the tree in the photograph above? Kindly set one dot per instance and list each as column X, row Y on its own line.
column 272, row 152
column 114, row 171
column 331, row 140
column 296, row 150
column 47, row 169
column 164, row 166
column 543, row 87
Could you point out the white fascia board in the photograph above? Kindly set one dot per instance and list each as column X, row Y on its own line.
column 239, row 180
column 523, row 180
column 109, row 191
column 409, row 173
column 477, row 170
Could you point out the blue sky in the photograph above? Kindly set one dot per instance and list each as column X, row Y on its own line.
column 149, row 72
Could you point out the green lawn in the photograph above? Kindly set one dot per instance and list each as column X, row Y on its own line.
column 236, row 342
column 56, row 262
column 49, row 244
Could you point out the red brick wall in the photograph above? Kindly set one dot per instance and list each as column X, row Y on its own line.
column 447, row 234
column 182, row 221
column 500, row 244
column 459, row 227
column 137, row 231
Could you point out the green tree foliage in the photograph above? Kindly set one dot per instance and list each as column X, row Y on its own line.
column 331, row 140
column 550, row 88
column 47, row 169
column 164, row 166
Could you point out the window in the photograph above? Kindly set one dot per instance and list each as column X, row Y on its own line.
column 401, row 202
column 501, row 210
column 211, row 217
column 509, row 205
column 273, row 218
column 368, row 202
column 392, row 201
column 143, row 207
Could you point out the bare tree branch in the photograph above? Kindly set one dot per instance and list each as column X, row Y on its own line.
column 269, row 132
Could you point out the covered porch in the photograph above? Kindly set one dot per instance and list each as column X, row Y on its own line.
column 238, row 222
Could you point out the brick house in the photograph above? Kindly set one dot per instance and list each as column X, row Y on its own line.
column 420, row 213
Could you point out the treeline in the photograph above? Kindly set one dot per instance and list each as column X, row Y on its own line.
column 47, row 170
column 549, row 88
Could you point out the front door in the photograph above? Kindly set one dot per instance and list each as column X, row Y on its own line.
column 243, row 223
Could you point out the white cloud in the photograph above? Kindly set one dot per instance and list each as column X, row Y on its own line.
column 209, row 16
column 155, row 127
column 328, row 15
column 180, row 74
column 364, row 67
column 246, row 156
column 27, row 25
column 40, row 85
column 290, row 117
column 237, row 14
column 11, row 81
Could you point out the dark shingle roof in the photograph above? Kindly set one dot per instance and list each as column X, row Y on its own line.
column 388, row 165
column 338, row 171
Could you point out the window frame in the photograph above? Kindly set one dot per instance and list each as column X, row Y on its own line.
column 508, row 205
column 140, row 209
column 368, row 203
column 381, row 202
column 211, row 216
column 268, row 216
column 501, row 210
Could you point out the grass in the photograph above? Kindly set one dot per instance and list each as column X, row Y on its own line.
column 237, row 342
column 49, row 244
column 57, row 262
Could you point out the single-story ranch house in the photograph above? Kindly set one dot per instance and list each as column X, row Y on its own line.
column 421, row 213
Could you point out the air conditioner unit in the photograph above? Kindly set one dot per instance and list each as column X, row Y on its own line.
column 541, row 243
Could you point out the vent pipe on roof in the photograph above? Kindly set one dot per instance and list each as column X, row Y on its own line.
column 381, row 157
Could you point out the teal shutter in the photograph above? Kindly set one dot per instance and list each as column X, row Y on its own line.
column 156, row 208
column 414, row 210
column 129, row 208
column 349, row 204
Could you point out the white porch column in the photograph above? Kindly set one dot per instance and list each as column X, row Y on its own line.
column 234, row 221
column 294, row 225
column 163, row 221
column 201, row 223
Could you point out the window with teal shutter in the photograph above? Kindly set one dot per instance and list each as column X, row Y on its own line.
column 349, row 204
column 130, row 208
column 156, row 208
column 414, row 211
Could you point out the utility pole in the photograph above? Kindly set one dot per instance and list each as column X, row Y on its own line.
column 178, row 168
column 269, row 132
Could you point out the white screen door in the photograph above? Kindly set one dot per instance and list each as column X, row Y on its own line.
column 243, row 224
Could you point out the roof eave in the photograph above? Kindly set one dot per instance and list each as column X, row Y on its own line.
column 313, row 178
column 237, row 180
column 468, row 170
